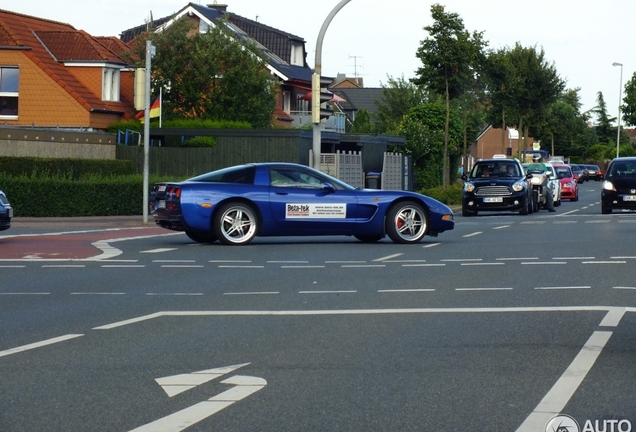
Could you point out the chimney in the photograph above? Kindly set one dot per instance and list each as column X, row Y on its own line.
column 221, row 8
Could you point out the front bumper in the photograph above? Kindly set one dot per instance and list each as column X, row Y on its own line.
column 494, row 203
column 617, row 200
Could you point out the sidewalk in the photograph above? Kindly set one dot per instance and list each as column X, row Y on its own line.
column 75, row 222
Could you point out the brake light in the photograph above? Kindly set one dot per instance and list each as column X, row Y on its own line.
column 174, row 192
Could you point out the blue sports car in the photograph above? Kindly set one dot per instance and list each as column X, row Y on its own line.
column 236, row 204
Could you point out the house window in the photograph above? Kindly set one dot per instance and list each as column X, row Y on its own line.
column 297, row 55
column 9, row 92
column 110, row 84
column 286, row 102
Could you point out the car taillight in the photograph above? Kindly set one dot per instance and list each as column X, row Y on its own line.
column 174, row 193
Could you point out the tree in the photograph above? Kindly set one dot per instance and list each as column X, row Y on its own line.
column 398, row 97
column 629, row 102
column 449, row 56
column 214, row 75
column 604, row 129
column 424, row 130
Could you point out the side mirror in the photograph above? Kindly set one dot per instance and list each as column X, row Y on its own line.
column 528, row 176
column 463, row 177
column 328, row 187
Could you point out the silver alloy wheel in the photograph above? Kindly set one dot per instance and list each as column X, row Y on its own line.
column 236, row 224
column 407, row 222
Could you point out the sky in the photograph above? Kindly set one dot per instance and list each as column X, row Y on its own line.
column 378, row 39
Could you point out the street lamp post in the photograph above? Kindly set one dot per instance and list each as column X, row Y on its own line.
column 315, row 86
column 620, row 96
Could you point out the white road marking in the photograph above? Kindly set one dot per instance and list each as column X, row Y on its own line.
column 557, row 222
column 181, row 266
column 604, row 262
column 363, row 266
column 501, row 227
column 122, row 266
column 173, row 261
column 253, row 293
column 328, row 292
column 287, row 262
column 562, row 287
column 39, row 344
column 26, row 293
column 347, row 262
column 176, row 384
column 97, row 293
column 407, row 290
column 12, row 266
column 389, row 257
column 431, row 245
column 516, row 259
column 423, row 265
column 63, row 266
column 462, row 260
column 573, row 258
column 174, row 294
column 625, row 287
column 230, row 261
column 613, row 317
column 623, row 257
column 532, row 222
column 543, row 262
column 242, row 266
column 354, row 312
column 561, row 392
column 597, row 221
column 158, row 250
column 109, row 251
column 483, row 264
column 406, row 261
column 483, row 289
column 568, row 213
column 473, row 234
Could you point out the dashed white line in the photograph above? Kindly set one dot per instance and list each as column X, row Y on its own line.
column 406, row 290
column 158, row 250
column 501, row 227
column 423, row 265
column 473, row 234
column 389, row 257
column 604, row 262
column 624, row 288
column 364, row 266
column 543, row 263
column 517, row 259
column 181, row 266
column 573, row 258
column 252, row 293
column 328, row 292
column 483, row 289
column 302, row 267
column 563, row 287
column 26, row 293
column 431, row 245
column 462, row 259
column 63, row 266
column 243, row 266
column 173, row 261
column 174, row 294
column 98, row 293
column 483, row 264
column 287, row 262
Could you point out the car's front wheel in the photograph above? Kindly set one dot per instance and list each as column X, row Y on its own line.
column 236, row 224
column 406, row 222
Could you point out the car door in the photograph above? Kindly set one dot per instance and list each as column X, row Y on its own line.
column 303, row 202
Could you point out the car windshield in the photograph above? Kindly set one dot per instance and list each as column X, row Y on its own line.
column 563, row 172
column 535, row 168
column 622, row 169
column 495, row 169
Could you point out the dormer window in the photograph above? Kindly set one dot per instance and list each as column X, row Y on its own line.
column 9, row 92
column 110, row 84
column 297, row 54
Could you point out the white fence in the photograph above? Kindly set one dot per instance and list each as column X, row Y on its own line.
column 392, row 172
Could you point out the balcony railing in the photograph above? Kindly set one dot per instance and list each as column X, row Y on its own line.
column 335, row 122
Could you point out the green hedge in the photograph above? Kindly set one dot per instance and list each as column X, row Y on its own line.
column 63, row 197
column 452, row 195
column 76, row 169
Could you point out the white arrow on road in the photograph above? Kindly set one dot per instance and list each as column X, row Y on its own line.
column 173, row 385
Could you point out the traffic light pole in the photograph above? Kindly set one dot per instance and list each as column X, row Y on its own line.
column 315, row 86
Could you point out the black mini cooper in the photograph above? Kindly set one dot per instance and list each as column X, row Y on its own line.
column 496, row 185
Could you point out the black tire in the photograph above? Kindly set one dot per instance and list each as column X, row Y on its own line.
column 368, row 238
column 236, row 223
column 467, row 213
column 535, row 201
column 605, row 210
column 525, row 208
column 201, row 237
column 576, row 198
column 406, row 222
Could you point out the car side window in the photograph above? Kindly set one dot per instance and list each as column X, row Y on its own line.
column 286, row 177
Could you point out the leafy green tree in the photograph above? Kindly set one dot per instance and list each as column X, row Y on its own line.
column 628, row 107
column 362, row 123
column 424, row 130
column 213, row 75
column 450, row 56
column 398, row 97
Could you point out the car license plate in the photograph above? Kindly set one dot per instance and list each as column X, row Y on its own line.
column 162, row 188
column 629, row 198
column 493, row 200
column 162, row 204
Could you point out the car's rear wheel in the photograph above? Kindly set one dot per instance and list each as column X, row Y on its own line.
column 201, row 237
column 369, row 238
column 236, row 224
column 406, row 222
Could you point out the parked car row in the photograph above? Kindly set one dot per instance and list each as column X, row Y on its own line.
column 585, row 172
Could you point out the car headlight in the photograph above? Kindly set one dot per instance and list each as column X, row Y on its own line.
column 607, row 185
column 469, row 187
column 518, row 186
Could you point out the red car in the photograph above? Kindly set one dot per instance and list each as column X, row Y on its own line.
column 569, row 185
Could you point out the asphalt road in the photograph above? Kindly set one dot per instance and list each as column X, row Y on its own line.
column 497, row 325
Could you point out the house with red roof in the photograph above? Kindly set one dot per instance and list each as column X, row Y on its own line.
column 53, row 75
